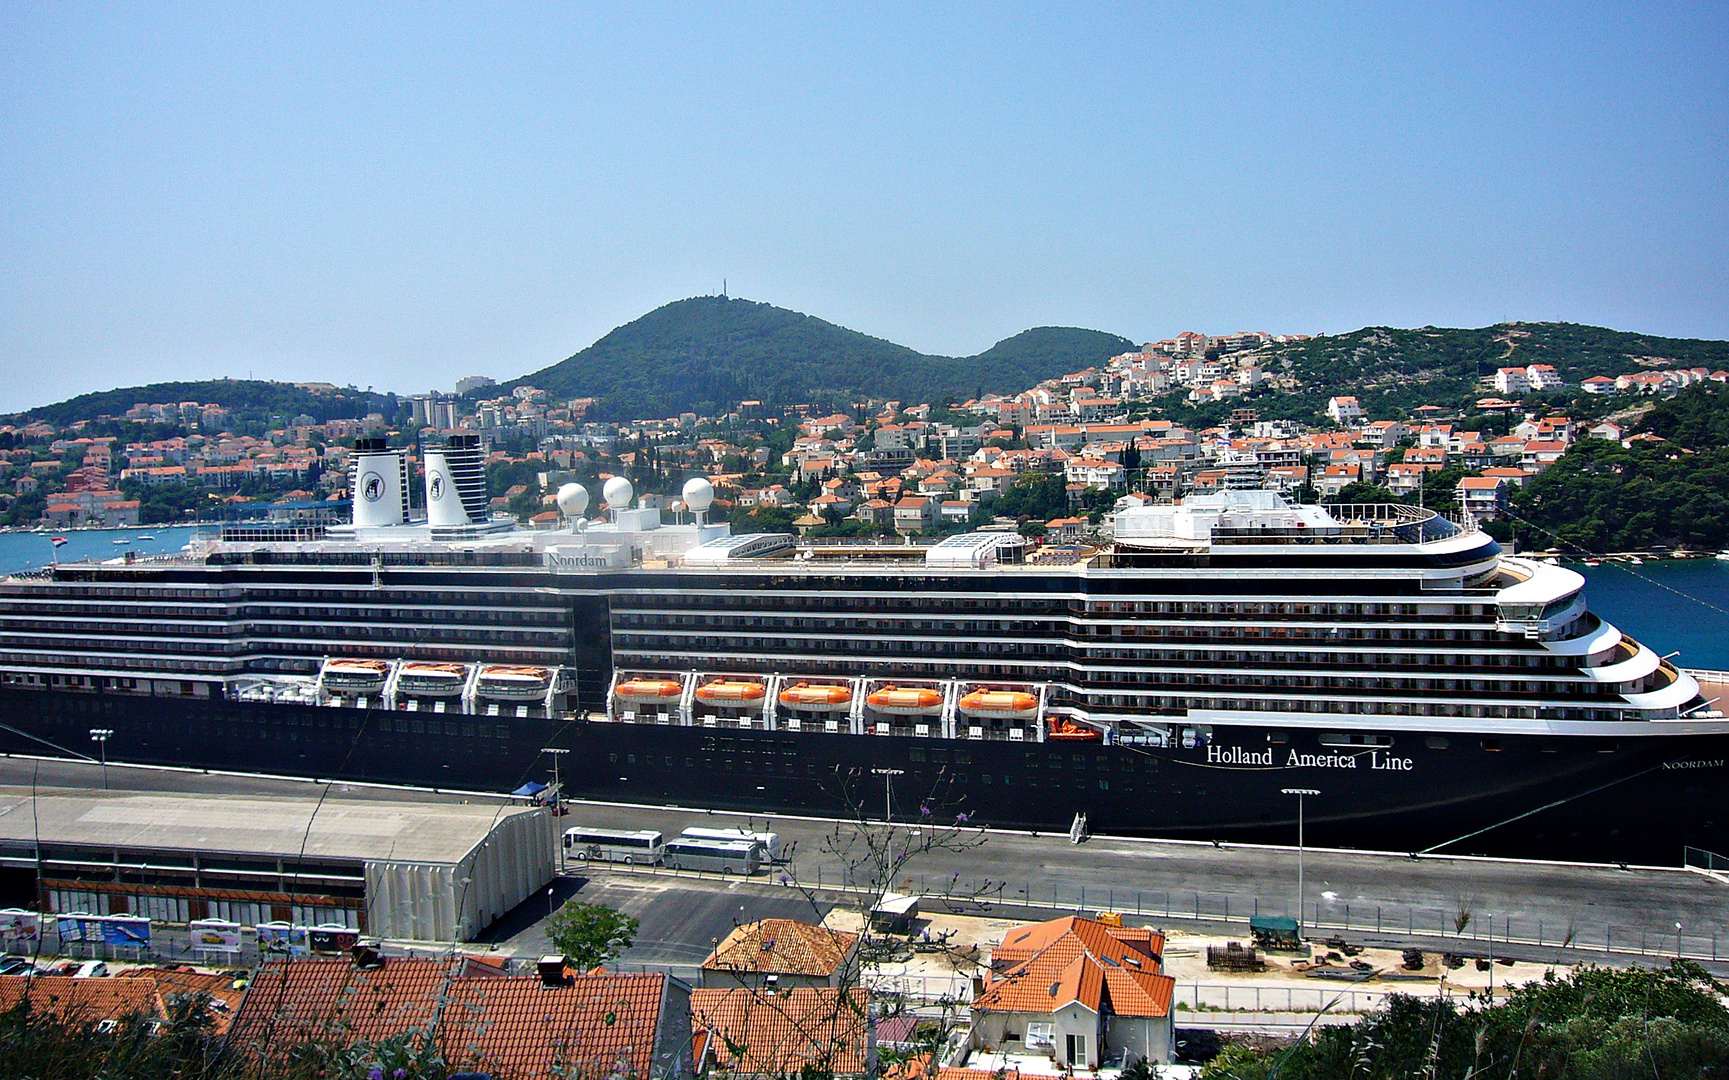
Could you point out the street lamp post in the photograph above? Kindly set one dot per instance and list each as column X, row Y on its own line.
column 99, row 736
column 1300, row 793
column 888, row 776
column 557, row 798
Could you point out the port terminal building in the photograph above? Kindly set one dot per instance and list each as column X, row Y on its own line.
column 400, row 870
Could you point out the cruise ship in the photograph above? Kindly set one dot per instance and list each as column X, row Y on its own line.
column 1178, row 681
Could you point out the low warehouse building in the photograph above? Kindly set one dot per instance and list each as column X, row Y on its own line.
column 420, row 871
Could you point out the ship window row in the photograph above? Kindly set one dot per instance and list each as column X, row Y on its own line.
column 108, row 627
column 1391, row 662
column 206, row 612
column 1511, row 689
column 1472, row 710
column 453, row 597
column 396, row 630
column 1194, row 631
column 373, row 613
column 863, row 645
column 173, row 662
column 167, row 641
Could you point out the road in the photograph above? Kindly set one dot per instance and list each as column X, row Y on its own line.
column 1601, row 907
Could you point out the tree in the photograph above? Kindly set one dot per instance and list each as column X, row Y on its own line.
column 590, row 935
column 1040, row 495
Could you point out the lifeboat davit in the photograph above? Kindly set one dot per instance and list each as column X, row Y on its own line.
column 906, row 701
column 825, row 698
column 1004, row 704
column 1065, row 730
column 731, row 692
column 649, row 691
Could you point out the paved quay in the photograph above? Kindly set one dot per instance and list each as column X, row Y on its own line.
column 1476, row 905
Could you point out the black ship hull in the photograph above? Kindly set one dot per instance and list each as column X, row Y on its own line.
column 1622, row 800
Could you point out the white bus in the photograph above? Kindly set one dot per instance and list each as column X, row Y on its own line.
column 773, row 849
column 635, row 846
column 725, row 856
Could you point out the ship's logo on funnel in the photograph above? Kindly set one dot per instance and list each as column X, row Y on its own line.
column 436, row 491
column 372, row 487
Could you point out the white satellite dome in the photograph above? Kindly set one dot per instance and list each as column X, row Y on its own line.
column 572, row 500
column 698, row 494
column 618, row 493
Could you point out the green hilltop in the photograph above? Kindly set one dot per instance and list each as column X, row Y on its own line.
column 708, row 352
column 1391, row 371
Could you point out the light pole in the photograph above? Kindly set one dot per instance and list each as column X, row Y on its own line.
column 557, row 797
column 1300, row 793
column 888, row 776
column 99, row 736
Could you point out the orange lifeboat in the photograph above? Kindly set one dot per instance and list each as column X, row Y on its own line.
column 649, row 691
column 1065, row 730
column 906, row 701
column 731, row 692
column 825, row 698
column 429, row 678
column 1007, row 704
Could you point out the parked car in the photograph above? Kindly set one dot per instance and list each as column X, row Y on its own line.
column 91, row 969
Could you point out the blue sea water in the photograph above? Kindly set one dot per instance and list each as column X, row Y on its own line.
column 31, row 551
column 1673, row 605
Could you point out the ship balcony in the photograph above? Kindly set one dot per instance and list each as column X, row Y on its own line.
column 1628, row 662
column 1674, row 689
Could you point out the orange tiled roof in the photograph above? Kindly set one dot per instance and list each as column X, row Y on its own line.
column 509, row 1026
column 808, row 1027
column 1043, row 967
column 782, row 947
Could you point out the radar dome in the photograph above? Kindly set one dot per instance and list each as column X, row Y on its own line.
column 618, row 493
column 698, row 494
column 572, row 500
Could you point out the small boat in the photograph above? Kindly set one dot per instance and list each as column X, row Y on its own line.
column 1599, row 562
column 514, row 682
column 122, row 540
column 1636, row 561
column 354, row 676
column 1064, row 729
column 146, row 536
column 1724, row 555
column 649, row 691
column 1002, row 704
column 731, row 692
column 431, row 678
column 825, row 698
column 905, row 701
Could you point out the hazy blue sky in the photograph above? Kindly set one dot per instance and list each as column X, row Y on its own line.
column 402, row 196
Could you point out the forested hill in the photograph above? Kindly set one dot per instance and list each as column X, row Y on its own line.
column 1391, row 370
column 709, row 352
column 246, row 398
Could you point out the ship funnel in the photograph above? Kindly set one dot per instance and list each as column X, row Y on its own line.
column 456, row 483
column 379, row 481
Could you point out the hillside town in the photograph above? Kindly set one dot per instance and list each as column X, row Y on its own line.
column 1054, row 460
